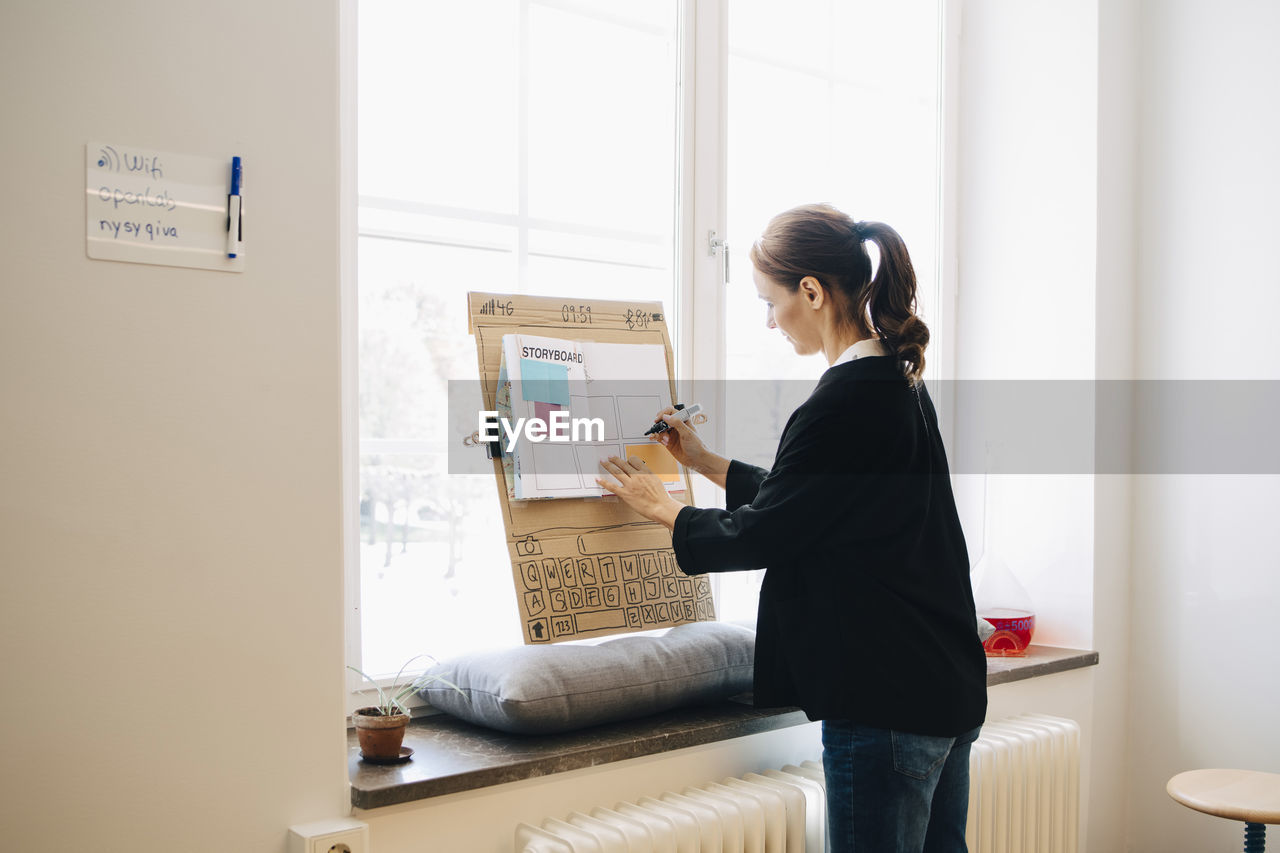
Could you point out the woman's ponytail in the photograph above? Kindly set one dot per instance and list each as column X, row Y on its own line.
column 891, row 306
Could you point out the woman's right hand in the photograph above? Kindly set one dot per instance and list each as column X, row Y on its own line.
column 681, row 440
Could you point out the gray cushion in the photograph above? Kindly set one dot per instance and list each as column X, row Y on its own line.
column 542, row 689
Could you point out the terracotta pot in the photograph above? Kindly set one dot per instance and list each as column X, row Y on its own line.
column 380, row 736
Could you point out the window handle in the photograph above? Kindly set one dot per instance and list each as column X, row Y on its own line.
column 714, row 245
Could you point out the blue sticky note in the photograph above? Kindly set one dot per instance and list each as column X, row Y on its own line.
column 544, row 382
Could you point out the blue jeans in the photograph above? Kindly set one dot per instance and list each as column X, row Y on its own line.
column 894, row 792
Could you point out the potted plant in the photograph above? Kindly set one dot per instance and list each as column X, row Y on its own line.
column 380, row 728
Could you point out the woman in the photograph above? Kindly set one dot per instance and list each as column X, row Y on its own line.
column 866, row 616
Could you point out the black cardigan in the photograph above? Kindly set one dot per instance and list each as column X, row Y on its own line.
column 866, row 612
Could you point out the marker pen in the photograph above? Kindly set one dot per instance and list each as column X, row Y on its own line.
column 681, row 412
column 234, row 233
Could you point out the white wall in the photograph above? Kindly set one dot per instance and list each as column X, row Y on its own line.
column 1027, row 189
column 1026, row 240
column 170, row 555
column 1045, row 266
column 1172, row 579
column 1206, row 575
column 1114, row 359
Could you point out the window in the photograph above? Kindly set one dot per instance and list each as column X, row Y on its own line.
column 525, row 147
column 575, row 148
column 833, row 102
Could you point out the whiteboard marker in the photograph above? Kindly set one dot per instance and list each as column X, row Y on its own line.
column 233, row 210
column 681, row 412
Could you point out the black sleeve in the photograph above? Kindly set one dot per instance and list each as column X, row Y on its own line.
column 742, row 483
column 795, row 502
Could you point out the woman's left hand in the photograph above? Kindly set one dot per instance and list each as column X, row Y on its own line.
column 640, row 489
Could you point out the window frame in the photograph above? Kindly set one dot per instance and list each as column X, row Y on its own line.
column 349, row 348
column 700, row 290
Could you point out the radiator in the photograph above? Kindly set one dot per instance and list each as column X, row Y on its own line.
column 1024, row 798
column 1024, row 786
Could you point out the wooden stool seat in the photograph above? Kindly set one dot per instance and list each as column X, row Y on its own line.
column 1245, row 795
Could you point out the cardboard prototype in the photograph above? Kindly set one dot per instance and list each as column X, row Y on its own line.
column 585, row 567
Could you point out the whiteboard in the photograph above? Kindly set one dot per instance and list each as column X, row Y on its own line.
column 156, row 207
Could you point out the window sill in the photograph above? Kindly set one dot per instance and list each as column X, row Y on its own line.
column 451, row 755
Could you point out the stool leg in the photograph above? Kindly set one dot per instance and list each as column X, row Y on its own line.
column 1255, row 837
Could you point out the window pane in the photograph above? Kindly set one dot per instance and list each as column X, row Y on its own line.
column 434, row 578
column 413, row 333
column 856, row 84
column 437, row 95
column 579, row 279
column 602, row 118
column 828, row 102
column 512, row 147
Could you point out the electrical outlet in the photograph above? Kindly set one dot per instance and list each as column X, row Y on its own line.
column 341, row 835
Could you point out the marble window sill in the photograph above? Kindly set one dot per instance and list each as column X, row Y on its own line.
column 450, row 755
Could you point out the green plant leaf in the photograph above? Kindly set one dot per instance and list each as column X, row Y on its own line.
column 383, row 705
column 390, row 701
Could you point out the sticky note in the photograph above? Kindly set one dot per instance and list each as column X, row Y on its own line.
column 658, row 458
column 544, row 382
column 542, row 411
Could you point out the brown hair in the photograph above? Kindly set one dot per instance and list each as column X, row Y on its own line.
column 826, row 243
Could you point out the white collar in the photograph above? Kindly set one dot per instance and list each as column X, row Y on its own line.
column 862, row 349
